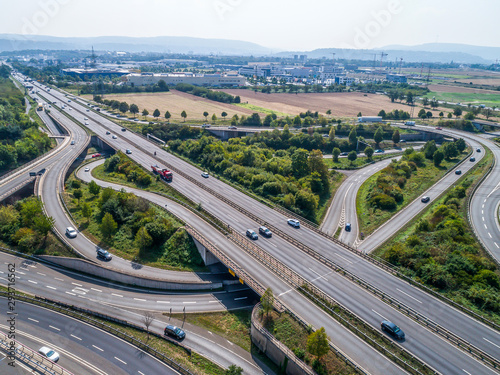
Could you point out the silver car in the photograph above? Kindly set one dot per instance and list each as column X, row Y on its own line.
column 49, row 353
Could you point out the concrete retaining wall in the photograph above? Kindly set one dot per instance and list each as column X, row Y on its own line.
column 121, row 277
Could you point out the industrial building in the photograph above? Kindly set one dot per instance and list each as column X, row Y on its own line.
column 173, row 79
column 397, row 78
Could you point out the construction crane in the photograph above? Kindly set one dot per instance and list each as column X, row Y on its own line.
column 333, row 53
column 382, row 55
column 400, row 64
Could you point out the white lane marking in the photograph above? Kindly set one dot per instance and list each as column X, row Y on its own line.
column 229, row 342
column 482, row 206
column 29, row 265
column 116, row 295
column 485, row 226
column 118, row 359
column 496, row 245
column 97, row 290
column 139, row 299
column 72, row 294
column 76, row 337
column 467, row 372
column 340, row 256
column 240, row 298
column 140, row 372
column 273, row 244
column 213, row 301
column 162, row 301
column 482, row 212
column 31, row 281
column 58, row 279
column 57, row 329
column 22, row 273
column 489, row 234
column 1, row 271
column 483, row 218
column 34, row 320
column 98, row 348
column 289, row 290
column 485, row 201
column 383, row 317
column 319, row 276
column 77, row 284
column 189, row 302
column 51, row 287
column 210, row 332
column 41, row 274
column 492, row 343
column 406, row 294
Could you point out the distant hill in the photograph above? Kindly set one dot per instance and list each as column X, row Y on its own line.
column 163, row 44
column 487, row 53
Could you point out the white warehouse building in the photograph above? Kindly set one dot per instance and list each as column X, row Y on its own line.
column 173, row 79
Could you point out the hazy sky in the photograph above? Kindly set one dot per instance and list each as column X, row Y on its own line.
column 279, row 24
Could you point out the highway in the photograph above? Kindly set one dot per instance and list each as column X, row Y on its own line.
column 83, row 349
column 411, row 296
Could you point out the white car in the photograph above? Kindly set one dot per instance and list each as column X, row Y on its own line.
column 71, row 232
column 49, row 353
column 205, row 174
column 294, row 223
column 87, row 169
column 114, row 137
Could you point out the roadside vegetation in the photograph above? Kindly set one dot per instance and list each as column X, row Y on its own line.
column 25, row 228
column 394, row 187
column 439, row 249
column 20, row 138
column 129, row 226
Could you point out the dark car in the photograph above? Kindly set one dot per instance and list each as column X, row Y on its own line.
column 472, row 159
column 104, row 254
column 348, row 227
column 265, row 232
column 251, row 234
column 344, row 153
column 392, row 330
column 174, row 331
column 232, row 127
column 425, row 199
column 458, row 171
column 32, row 174
column 478, row 150
column 124, row 130
column 41, row 171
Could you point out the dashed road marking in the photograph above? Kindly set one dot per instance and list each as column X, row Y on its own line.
column 118, row 359
column 240, row 298
column 76, row 337
column 116, row 295
column 51, row 287
column 406, row 294
column 57, row 329
column 31, row 281
column 33, row 320
column 98, row 348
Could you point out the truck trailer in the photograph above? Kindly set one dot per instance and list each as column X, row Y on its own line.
column 164, row 173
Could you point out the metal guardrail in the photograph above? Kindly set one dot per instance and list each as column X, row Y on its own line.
column 78, row 313
column 31, row 357
column 17, row 188
column 288, row 353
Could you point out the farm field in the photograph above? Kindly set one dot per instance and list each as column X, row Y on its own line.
column 342, row 104
column 465, row 95
column 175, row 102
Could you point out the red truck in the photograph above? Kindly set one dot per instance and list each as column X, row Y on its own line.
column 163, row 173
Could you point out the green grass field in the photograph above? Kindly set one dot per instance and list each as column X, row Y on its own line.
column 261, row 109
column 488, row 99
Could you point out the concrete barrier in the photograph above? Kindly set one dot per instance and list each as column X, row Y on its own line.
column 93, row 269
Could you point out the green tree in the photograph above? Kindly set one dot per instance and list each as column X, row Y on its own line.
column 336, row 153
column 429, row 149
column 457, row 111
column 450, row 150
column 360, row 114
column 425, row 102
column 134, row 109
column 267, row 301
column 297, row 121
column 378, row 136
column 317, row 343
column 396, row 136
column 86, row 211
column 30, row 209
column 145, row 112
column 369, row 152
column 460, row 144
column 353, row 137
column 156, row 113
column 94, row 189
column 167, row 116
column 184, row 115
column 78, row 194
column 43, row 224
column 108, row 226
column 331, row 134
column 328, row 111
column 214, row 118
column 224, row 115
column 409, row 97
column 469, row 116
column 382, row 114
column 441, row 114
column 449, row 115
column 317, row 165
column 205, row 114
column 300, row 167
column 234, row 370
column 352, row 156
column 422, row 114
column 123, row 107
column 438, row 157
column 142, row 239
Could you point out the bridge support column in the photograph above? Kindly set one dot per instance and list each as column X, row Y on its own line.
column 207, row 256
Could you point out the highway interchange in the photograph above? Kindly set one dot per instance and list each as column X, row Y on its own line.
column 420, row 341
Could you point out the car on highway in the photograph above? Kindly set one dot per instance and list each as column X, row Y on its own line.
column 348, row 227
column 392, row 330
column 251, row 234
column 379, row 151
column 294, row 223
column 265, row 232
column 71, row 232
column 72, row 143
column 151, row 123
column 124, row 130
column 104, row 254
column 205, row 126
column 85, row 118
column 32, row 174
column 88, row 110
column 232, row 127
column 458, row 171
column 344, row 153
column 87, row 169
column 174, row 331
column 108, row 133
column 438, row 128
column 473, row 159
column 96, row 155
column 86, row 122
column 205, row 175
column 114, row 136
column 425, row 199
column 478, row 150
column 41, row 171
column 128, row 151
column 49, row 353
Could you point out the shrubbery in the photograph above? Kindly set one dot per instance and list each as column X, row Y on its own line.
column 119, row 163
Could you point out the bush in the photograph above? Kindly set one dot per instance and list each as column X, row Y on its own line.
column 384, row 202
